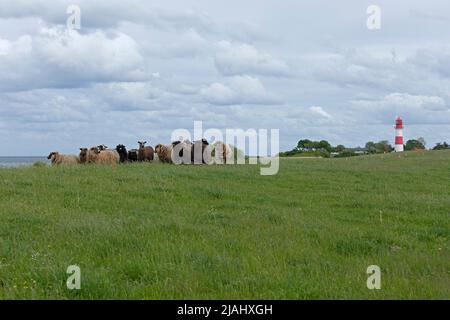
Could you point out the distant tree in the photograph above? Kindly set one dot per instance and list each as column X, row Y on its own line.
column 314, row 145
column 304, row 144
column 441, row 146
column 415, row 144
column 310, row 145
column 383, row 146
column 422, row 141
column 324, row 145
column 371, row 147
column 321, row 148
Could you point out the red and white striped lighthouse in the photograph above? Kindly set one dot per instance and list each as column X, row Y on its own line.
column 398, row 135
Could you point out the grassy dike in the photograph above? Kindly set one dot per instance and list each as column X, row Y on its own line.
column 150, row 231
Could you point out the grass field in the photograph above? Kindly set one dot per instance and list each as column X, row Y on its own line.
column 150, row 231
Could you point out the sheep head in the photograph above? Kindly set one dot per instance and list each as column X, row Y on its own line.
column 121, row 148
column 102, row 147
column 142, row 144
column 95, row 150
column 158, row 148
column 83, row 155
column 132, row 154
column 52, row 155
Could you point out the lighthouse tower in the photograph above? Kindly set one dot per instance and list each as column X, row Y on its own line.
column 398, row 135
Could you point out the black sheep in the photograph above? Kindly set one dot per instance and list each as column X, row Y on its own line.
column 122, row 151
column 197, row 156
column 133, row 155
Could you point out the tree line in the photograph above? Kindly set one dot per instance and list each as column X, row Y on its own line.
column 323, row 148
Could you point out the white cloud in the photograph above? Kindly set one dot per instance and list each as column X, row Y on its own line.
column 58, row 57
column 218, row 93
column 405, row 100
column 238, row 90
column 186, row 44
column 241, row 58
column 320, row 112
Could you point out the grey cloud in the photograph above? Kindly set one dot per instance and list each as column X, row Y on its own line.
column 417, row 109
column 435, row 59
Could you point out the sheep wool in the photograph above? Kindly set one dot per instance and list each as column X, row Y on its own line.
column 92, row 155
column 63, row 159
column 164, row 153
column 108, row 157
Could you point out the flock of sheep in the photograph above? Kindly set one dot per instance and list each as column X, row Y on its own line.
column 179, row 152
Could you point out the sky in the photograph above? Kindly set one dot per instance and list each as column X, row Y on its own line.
column 140, row 69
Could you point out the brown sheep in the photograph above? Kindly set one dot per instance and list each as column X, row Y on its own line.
column 164, row 153
column 145, row 153
column 93, row 154
column 110, row 157
column 83, row 155
column 88, row 155
column 62, row 159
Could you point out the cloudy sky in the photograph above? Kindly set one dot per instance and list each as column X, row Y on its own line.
column 139, row 69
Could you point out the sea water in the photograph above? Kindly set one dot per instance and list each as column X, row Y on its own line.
column 7, row 162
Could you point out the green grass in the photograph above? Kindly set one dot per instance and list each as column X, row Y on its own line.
column 151, row 231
